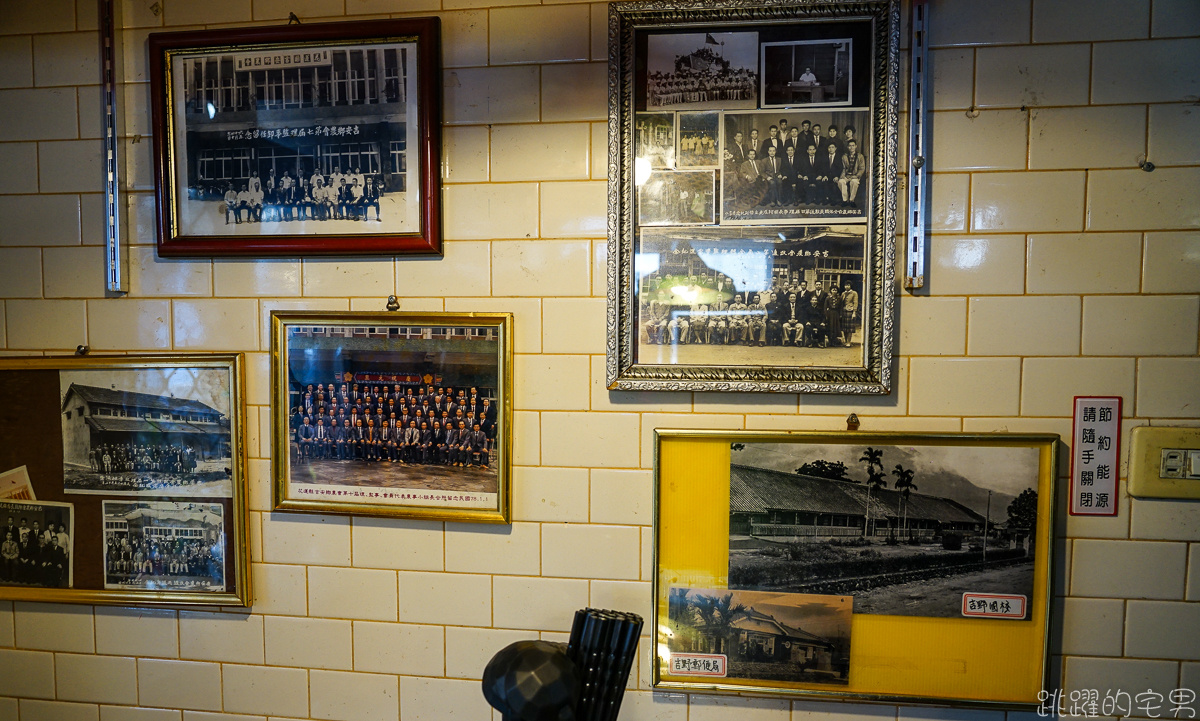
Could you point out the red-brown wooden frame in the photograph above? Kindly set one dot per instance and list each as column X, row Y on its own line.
column 428, row 117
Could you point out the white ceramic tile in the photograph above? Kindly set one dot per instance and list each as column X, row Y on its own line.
column 1146, row 71
column 571, row 210
column 130, row 713
column 340, row 277
column 1163, row 519
column 1049, row 384
column 1156, row 629
column 1172, row 127
column 305, row 538
column 1136, row 200
column 353, row 696
column 24, row 279
column 1028, row 325
column 459, row 599
column 526, row 438
column 1171, row 263
column 933, row 326
column 278, row 10
column 40, row 220
column 557, row 151
column 58, row 711
column 738, row 403
column 599, row 151
column 265, row 307
column 468, row 649
column 70, row 166
column 622, row 497
column 1193, row 573
column 465, row 154
column 713, row 708
column 978, row 22
column 648, row 706
column 590, row 551
column 540, row 267
column 126, row 324
column 28, row 673
column 556, row 495
column 464, row 269
column 215, row 324
column 953, row 77
column 1118, row 673
column 95, row 679
column 1101, row 137
column 546, row 604
column 397, row 544
column 633, row 596
column 464, row 37
column 1061, row 21
column 964, row 386
column 1140, row 325
column 823, row 711
column 947, row 202
column 21, row 158
column 611, row 439
column 159, row 685
column 136, row 632
column 280, row 589
column 1093, row 627
column 16, row 62
column 1168, row 387
column 229, row 637
column 369, row 595
column 49, row 627
column 575, row 91
column 399, row 648
column 946, row 714
column 955, row 137
column 1128, row 569
column 551, row 382
column 1023, row 76
column 474, row 211
column 210, row 716
column 263, row 277
column 65, row 59
column 606, row 400
column 42, row 114
column 474, row 96
column 538, row 34
column 7, row 632
column 308, row 642
column 1172, row 18
column 436, row 699
column 573, row 325
column 36, row 324
column 476, row 548
column 1084, row 263
column 1027, row 202
column 265, row 689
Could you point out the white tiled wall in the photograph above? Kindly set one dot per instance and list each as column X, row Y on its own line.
column 1058, row 268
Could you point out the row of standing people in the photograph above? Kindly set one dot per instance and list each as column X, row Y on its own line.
column 425, row 444
column 304, row 200
column 31, row 556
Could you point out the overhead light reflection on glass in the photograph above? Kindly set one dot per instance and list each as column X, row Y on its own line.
column 641, row 171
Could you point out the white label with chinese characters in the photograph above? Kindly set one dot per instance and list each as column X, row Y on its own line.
column 993, row 605
column 1094, row 453
column 698, row 664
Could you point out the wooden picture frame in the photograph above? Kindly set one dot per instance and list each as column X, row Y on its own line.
column 139, row 463
column 707, row 241
column 367, row 374
column 255, row 129
column 763, row 538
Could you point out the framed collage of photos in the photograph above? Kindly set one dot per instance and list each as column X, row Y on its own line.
column 752, row 195
column 303, row 139
column 393, row 414
column 892, row 567
column 123, row 480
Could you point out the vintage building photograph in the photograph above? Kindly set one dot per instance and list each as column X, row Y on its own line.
column 764, row 636
column 150, row 431
column 164, row 545
column 905, row 530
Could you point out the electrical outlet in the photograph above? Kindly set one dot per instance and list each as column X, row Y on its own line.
column 1164, row 462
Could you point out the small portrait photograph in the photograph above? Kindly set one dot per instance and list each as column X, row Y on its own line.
column 409, row 413
column 15, row 485
column 655, row 144
column 35, row 544
column 807, row 72
column 701, row 70
column 699, row 139
column 147, row 431
column 678, row 198
column 164, row 545
column 759, row 636
column 795, row 167
column 787, row 296
column 908, row 530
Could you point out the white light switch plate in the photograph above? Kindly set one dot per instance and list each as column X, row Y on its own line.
column 1161, row 461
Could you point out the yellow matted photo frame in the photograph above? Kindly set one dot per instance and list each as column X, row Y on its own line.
column 889, row 567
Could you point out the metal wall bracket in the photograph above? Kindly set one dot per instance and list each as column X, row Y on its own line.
column 918, row 184
column 112, row 85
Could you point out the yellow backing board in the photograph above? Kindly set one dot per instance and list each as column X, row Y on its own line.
column 903, row 658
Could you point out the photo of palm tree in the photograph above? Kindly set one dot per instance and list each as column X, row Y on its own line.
column 906, row 530
column 791, row 637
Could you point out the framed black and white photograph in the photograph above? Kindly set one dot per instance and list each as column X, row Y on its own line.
column 164, row 545
column 137, row 432
column 393, row 414
column 37, row 544
column 678, row 197
column 305, row 139
column 807, row 72
column 804, row 190
column 132, row 468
